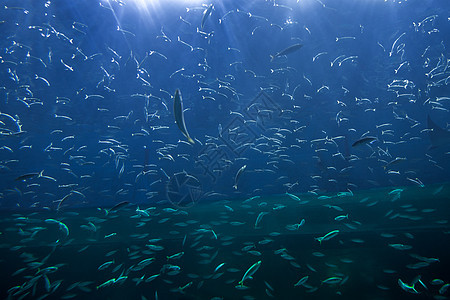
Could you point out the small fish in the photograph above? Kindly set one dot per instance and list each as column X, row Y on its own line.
column 259, row 218
column 175, row 256
column 400, row 246
column 206, row 14
column 327, row 236
column 107, row 283
column 238, row 175
column 63, row 227
column 179, row 115
column 332, row 280
column 302, row 281
column 293, row 197
column 218, row 267
column 219, row 128
column 249, row 273
column 182, row 288
column 396, row 191
column 406, row 287
column 118, row 206
column 364, row 140
column 286, row 51
column 145, row 262
column 394, row 161
column 341, row 217
column 105, row 265
column 338, row 208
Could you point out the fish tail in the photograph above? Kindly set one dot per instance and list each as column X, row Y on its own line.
column 235, row 186
column 272, row 57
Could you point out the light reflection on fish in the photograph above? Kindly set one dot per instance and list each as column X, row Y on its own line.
column 206, row 14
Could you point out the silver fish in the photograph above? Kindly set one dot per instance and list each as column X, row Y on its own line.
column 179, row 115
column 238, row 175
column 252, row 270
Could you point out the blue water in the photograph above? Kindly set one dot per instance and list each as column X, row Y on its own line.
column 87, row 122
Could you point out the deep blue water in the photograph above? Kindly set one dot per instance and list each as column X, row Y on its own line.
column 124, row 63
column 87, row 114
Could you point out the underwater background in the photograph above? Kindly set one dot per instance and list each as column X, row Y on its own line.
column 225, row 149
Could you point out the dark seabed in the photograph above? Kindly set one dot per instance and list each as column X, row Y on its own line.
column 261, row 149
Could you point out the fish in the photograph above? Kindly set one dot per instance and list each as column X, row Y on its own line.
column 406, row 287
column 332, row 280
column 400, row 246
column 394, row 161
column 220, row 129
column 302, row 281
column 145, row 262
column 438, row 136
column 364, row 140
column 107, row 283
column 63, row 227
column 249, row 273
column 105, row 265
column 259, row 218
column 175, row 256
column 206, row 14
column 218, row 267
column 179, row 115
column 341, row 217
column 293, row 197
column 327, row 236
column 117, row 206
column 238, row 175
column 27, row 176
column 286, row 51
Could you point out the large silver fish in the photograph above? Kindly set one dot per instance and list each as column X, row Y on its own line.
column 286, row 51
column 438, row 136
column 179, row 115
column 206, row 14
column 238, row 175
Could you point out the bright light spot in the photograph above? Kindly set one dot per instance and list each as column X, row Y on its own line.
column 288, row 21
column 148, row 4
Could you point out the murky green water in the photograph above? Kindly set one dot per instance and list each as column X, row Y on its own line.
column 389, row 234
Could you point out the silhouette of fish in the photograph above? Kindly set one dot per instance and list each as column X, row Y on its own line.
column 364, row 140
column 286, row 51
column 439, row 137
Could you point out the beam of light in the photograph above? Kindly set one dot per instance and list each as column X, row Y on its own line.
column 148, row 5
